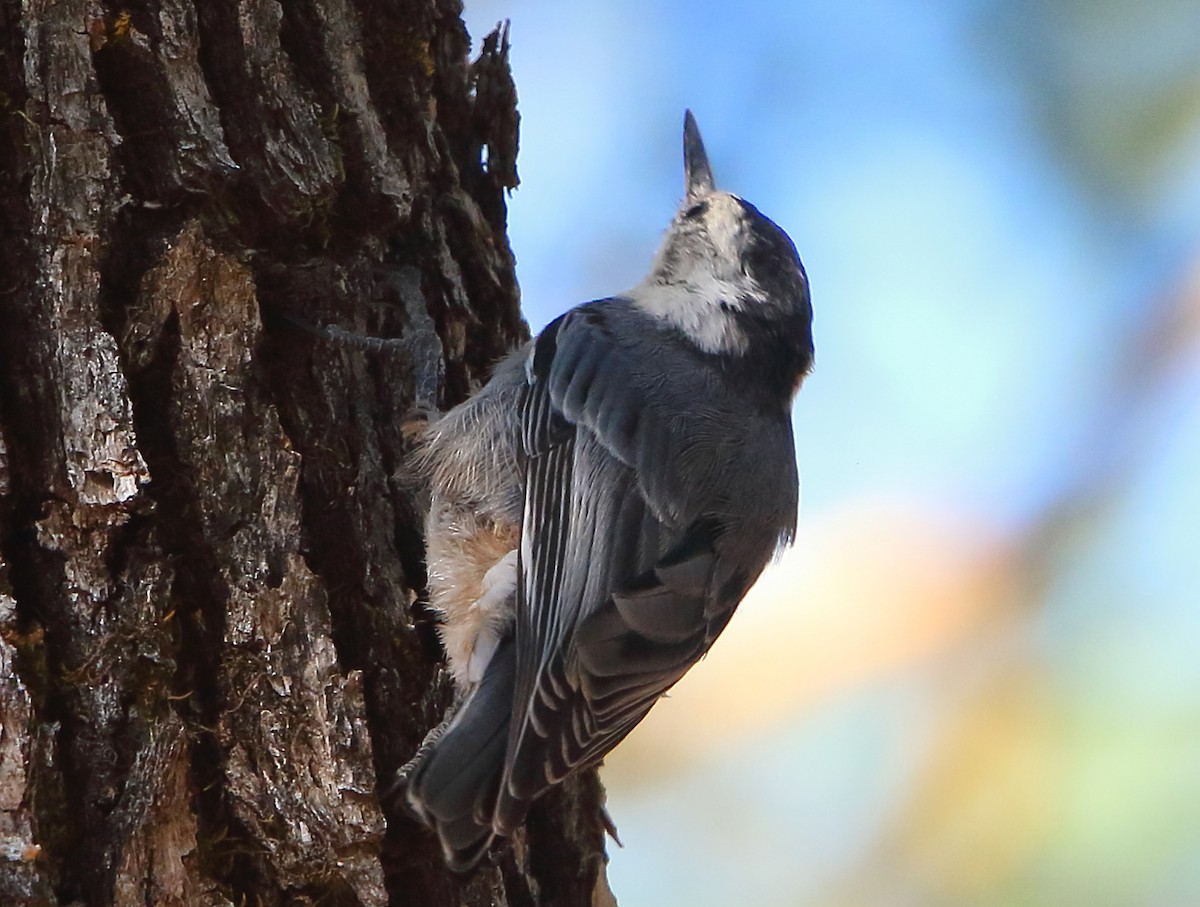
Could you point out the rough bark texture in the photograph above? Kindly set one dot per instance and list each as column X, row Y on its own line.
column 210, row 549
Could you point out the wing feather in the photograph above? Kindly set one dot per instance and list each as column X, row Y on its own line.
column 625, row 561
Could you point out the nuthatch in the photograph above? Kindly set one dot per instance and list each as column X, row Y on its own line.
column 601, row 506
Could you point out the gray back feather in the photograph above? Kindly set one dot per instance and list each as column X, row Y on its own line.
column 654, row 497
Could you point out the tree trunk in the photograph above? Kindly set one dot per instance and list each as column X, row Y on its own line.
column 211, row 651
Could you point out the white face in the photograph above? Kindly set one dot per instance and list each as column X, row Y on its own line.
column 724, row 223
column 698, row 274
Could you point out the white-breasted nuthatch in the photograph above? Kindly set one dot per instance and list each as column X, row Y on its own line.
column 601, row 506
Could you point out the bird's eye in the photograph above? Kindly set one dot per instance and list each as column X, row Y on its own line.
column 696, row 210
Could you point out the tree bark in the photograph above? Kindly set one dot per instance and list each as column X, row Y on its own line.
column 211, row 645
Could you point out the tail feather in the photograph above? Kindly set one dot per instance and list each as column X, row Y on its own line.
column 453, row 781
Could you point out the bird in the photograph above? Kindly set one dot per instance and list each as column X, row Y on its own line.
column 601, row 506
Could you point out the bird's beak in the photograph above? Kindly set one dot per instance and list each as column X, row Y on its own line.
column 697, row 173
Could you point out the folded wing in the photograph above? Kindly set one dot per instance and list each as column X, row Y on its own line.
column 639, row 538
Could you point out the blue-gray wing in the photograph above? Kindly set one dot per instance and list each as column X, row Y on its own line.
column 653, row 499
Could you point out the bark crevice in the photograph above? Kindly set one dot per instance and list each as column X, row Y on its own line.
column 210, row 532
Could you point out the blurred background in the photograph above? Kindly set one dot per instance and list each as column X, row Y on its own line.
column 975, row 680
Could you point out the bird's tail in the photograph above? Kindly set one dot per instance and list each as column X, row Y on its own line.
column 452, row 782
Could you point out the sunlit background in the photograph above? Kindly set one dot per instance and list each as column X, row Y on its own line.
column 976, row 678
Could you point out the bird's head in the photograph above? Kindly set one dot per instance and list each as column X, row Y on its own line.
column 725, row 272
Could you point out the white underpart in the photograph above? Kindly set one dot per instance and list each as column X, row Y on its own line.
column 690, row 297
column 472, row 567
column 691, row 308
column 494, row 610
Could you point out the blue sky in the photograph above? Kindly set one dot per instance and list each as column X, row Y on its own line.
column 965, row 293
column 994, row 204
